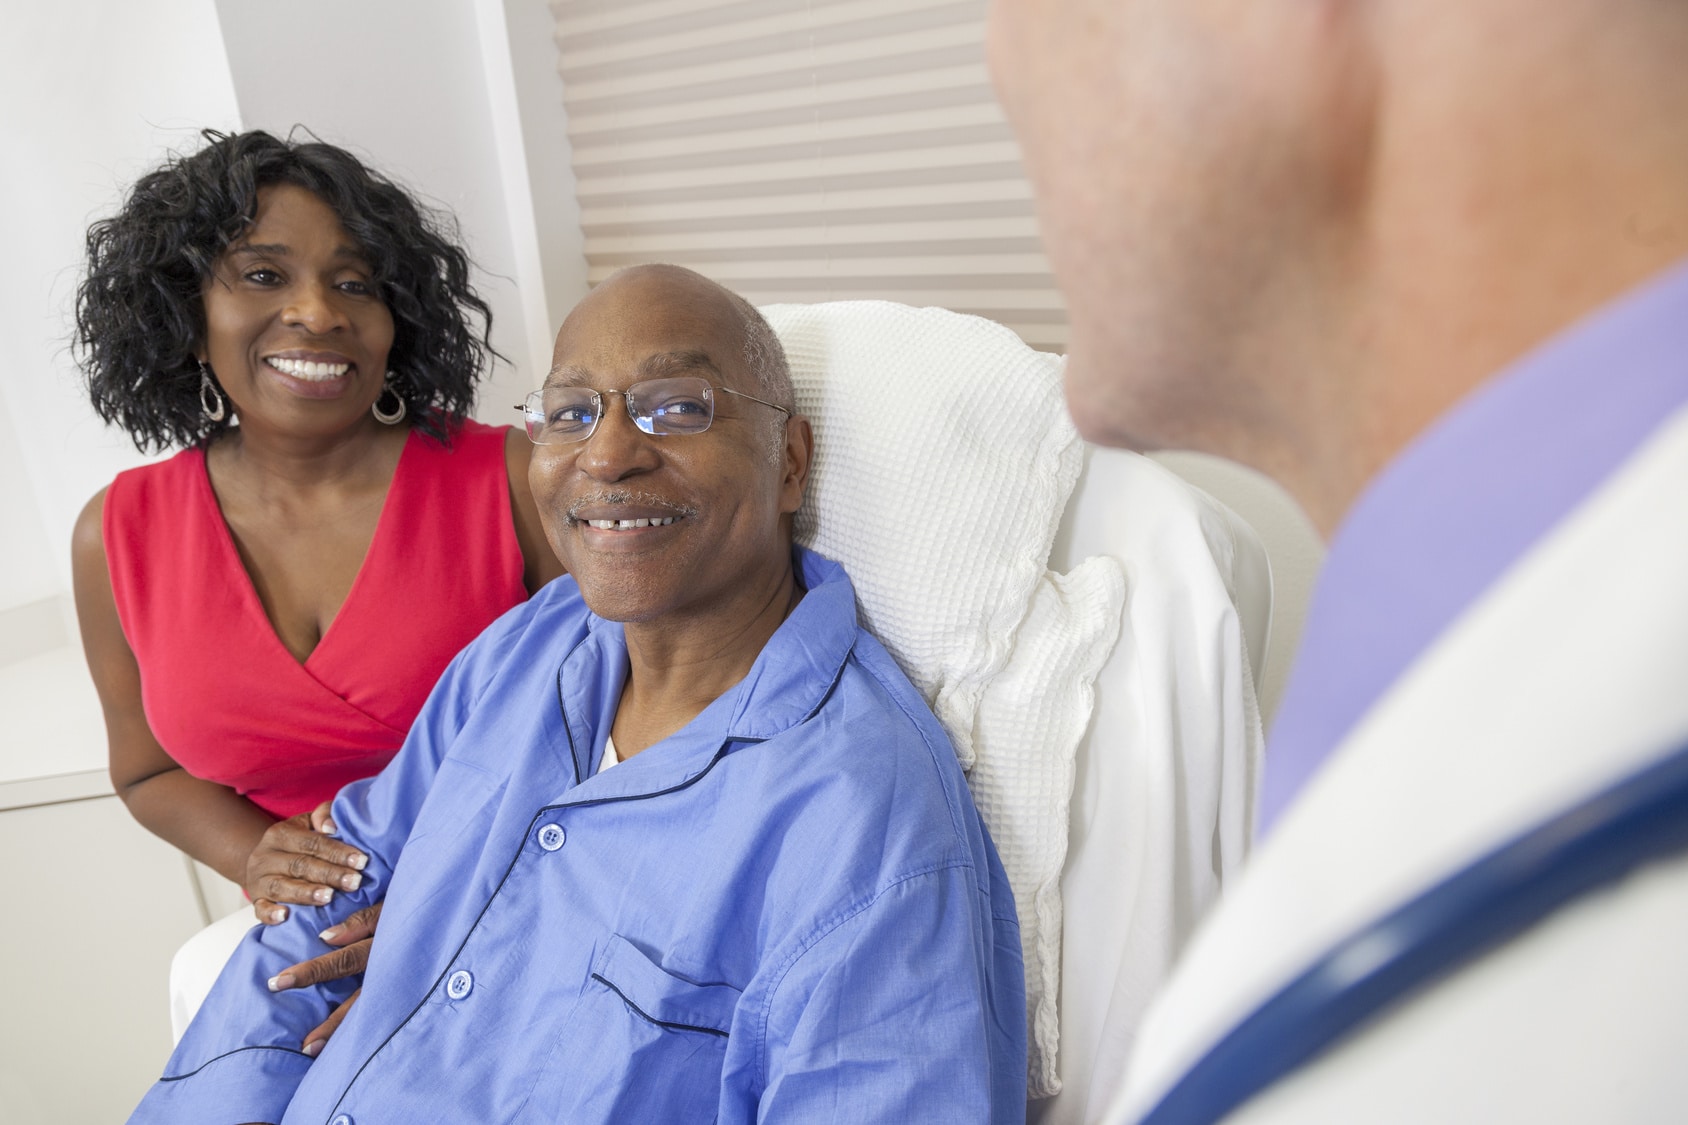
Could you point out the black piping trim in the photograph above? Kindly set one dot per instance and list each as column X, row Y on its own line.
column 686, row 784
column 574, row 757
column 231, row 1054
column 648, row 1018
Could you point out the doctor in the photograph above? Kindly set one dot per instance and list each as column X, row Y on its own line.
column 1427, row 266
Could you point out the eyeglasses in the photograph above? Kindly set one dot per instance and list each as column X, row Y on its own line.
column 560, row 415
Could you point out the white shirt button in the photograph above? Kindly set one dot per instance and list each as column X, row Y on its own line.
column 459, row 985
column 551, row 837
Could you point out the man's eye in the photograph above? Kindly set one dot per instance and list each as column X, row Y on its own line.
column 685, row 407
column 570, row 417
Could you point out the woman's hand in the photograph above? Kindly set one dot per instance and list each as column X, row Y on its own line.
column 298, row 860
column 351, row 940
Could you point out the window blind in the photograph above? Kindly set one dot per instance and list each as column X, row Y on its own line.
column 804, row 151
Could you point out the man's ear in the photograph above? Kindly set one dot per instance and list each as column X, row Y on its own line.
column 799, row 454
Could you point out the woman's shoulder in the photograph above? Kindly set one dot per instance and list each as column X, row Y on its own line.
column 463, row 436
column 149, row 518
column 477, row 430
column 165, row 481
column 468, row 463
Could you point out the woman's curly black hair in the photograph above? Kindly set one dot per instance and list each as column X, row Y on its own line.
column 140, row 319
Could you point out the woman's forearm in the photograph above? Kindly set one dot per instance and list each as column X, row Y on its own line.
column 210, row 822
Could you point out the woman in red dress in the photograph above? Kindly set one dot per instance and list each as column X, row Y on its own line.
column 265, row 612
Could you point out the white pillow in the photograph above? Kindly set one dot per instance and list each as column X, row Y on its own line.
column 943, row 460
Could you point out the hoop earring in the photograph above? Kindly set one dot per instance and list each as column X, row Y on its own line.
column 210, row 399
column 394, row 415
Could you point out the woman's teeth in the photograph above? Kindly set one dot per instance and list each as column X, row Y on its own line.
column 628, row 525
column 309, row 370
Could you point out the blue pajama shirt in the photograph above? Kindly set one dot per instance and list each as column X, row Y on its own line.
column 787, row 911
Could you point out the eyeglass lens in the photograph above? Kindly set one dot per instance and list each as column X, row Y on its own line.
column 657, row 406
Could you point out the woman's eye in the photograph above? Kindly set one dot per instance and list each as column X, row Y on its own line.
column 262, row 276
column 358, row 288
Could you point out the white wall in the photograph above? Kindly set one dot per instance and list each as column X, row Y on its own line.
column 92, row 93
column 545, row 154
column 27, row 573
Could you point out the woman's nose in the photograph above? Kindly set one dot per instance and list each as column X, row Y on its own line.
column 312, row 306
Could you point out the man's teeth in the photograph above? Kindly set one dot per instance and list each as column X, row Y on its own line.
column 628, row 525
column 309, row 369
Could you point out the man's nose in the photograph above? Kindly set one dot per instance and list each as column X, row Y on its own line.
column 617, row 448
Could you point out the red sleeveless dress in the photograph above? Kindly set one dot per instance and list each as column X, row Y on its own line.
column 223, row 695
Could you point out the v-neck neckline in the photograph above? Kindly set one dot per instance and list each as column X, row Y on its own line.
column 254, row 603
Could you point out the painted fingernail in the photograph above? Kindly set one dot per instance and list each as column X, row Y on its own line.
column 279, row 914
column 350, row 882
column 330, row 934
column 282, row 981
column 313, row 1048
column 322, row 895
column 358, row 860
column 329, row 828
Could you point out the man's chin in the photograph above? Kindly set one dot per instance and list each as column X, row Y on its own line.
column 620, row 612
column 622, row 601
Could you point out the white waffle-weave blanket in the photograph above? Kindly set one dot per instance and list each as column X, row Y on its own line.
column 944, row 459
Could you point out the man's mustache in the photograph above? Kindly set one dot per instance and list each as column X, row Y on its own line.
column 617, row 497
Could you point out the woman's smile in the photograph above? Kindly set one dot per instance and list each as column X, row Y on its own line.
column 311, row 375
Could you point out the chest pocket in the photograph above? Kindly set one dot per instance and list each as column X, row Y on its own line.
column 645, row 1045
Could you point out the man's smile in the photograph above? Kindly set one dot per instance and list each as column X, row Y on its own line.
column 628, row 525
column 624, row 510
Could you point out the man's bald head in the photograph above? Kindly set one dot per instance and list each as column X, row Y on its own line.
column 763, row 354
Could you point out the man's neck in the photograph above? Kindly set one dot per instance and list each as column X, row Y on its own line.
column 679, row 667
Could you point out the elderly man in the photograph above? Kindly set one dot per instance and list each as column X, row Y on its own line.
column 778, row 905
column 1427, row 265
